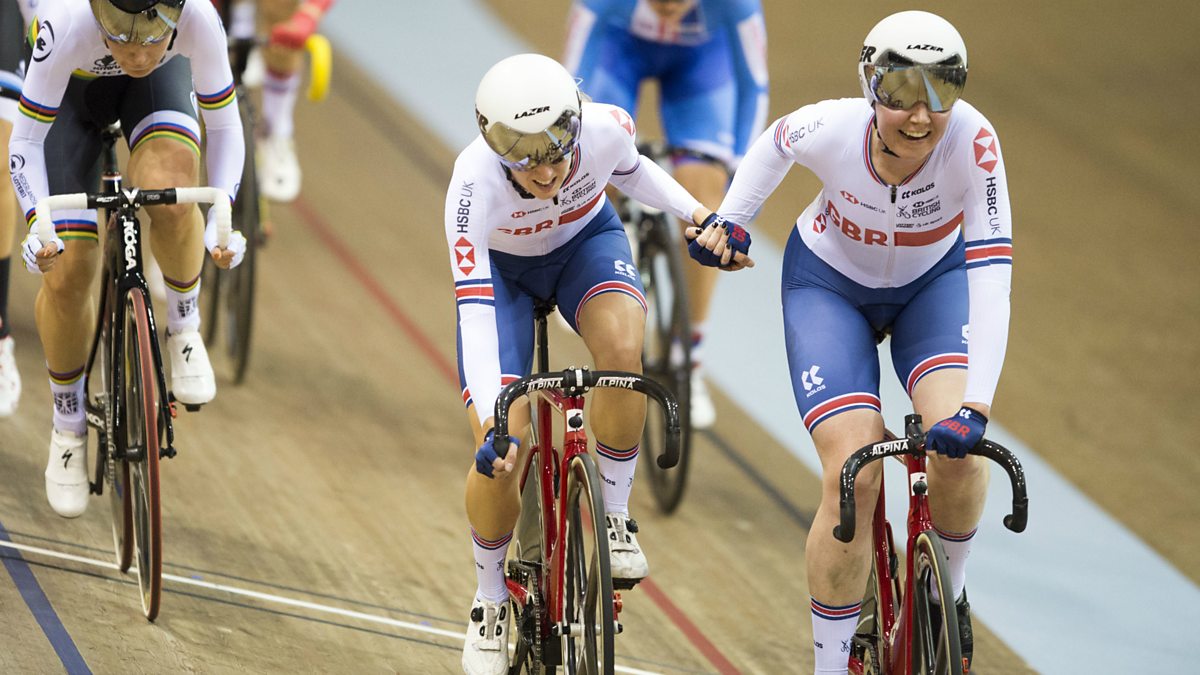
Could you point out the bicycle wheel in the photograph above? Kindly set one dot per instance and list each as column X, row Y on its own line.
column 666, row 355
column 114, row 472
column 140, row 438
column 935, row 643
column 587, row 642
column 239, row 306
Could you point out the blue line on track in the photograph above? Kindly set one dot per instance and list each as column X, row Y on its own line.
column 39, row 605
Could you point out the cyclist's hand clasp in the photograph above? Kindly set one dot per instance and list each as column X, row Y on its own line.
column 720, row 243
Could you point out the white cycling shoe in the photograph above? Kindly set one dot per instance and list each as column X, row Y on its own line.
column 485, row 651
column 703, row 412
column 278, row 168
column 10, row 379
column 192, row 379
column 66, row 474
column 626, row 560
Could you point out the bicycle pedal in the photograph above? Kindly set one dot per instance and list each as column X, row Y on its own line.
column 167, row 452
column 625, row 584
column 192, row 407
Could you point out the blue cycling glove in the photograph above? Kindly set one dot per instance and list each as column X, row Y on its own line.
column 486, row 454
column 739, row 241
column 954, row 436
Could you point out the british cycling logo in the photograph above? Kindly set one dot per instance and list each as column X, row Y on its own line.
column 985, row 150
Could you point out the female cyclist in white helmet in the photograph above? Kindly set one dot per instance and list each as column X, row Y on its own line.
column 526, row 218
column 910, row 235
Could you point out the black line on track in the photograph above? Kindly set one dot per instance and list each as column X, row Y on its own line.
column 800, row 517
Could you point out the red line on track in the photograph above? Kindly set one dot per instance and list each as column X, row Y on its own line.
column 375, row 289
column 411, row 328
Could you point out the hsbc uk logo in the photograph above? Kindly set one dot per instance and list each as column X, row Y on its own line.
column 812, row 382
column 464, row 256
column 985, row 150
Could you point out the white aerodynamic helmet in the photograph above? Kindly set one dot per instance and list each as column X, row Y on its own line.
column 528, row 109
column 912, row 57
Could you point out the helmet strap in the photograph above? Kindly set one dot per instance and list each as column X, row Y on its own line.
column 882, row 145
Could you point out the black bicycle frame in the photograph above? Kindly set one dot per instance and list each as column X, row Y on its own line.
column 122, row 272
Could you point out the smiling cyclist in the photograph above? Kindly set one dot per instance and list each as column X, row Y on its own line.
column 911, row 234
column 136, row 62
column 526, row 218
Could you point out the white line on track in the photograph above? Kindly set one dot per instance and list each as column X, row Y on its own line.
column 270, row 597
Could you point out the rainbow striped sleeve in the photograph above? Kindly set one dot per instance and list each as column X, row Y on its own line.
column 36, row 111
column 218, row 100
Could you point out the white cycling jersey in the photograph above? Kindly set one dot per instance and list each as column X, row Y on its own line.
column 486, row 212
column 69, row 44
column 883, row 236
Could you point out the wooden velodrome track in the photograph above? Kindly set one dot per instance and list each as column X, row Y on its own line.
column 325, row 495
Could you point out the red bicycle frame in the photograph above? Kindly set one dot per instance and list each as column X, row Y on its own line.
column 899, row 657
column 554, row 514
column 895, row 631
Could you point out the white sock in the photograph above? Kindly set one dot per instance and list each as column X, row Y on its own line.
column 489, row 566
column 241, row 21
column 957, row 547
column 698, row 331
column 278, row 99
column 67, row 390
column 616, row 468
column 183, row 305
column 833, row 628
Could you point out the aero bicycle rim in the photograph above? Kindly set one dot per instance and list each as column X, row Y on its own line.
column 247, row 215
column 934, row 634
column 588, row 591
column 666, row 357
column 142, row 438
column 116, row 471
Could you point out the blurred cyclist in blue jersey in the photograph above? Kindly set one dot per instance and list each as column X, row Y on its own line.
column 709, row 58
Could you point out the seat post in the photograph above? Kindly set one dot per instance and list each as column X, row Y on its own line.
column 541, row 310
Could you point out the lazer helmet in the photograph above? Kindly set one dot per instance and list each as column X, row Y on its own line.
column 143, row 22
column 912, row 57
column 528, row 110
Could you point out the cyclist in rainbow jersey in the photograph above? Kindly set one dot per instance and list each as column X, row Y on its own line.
column 136, row 62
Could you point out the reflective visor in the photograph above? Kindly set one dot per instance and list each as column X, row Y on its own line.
column 144, row 28
column 901, row 87
column 522, row 152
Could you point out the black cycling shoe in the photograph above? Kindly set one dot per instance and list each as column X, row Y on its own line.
column 966, row 637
